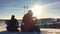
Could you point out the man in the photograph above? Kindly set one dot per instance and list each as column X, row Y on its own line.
column 13, row 24
column 28, row 21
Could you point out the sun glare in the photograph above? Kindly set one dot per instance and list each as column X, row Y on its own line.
column 37, row 11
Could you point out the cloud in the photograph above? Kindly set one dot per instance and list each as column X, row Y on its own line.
column 50, row 4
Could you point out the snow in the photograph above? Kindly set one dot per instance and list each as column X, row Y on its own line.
column 43, row 30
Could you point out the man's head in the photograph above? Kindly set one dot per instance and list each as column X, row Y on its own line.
column 12, row 17
column 30, row 12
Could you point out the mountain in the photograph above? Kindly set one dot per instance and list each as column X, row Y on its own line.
column 46, row 20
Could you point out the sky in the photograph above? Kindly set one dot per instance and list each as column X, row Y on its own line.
column 40, row 8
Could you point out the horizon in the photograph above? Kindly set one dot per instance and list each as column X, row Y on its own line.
column 38, row 19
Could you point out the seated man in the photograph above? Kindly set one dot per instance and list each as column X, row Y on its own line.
column 28, row 22
column 13, row 24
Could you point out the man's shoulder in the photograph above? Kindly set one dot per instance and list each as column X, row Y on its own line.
column 15, row 19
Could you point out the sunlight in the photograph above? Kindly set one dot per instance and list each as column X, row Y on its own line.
column 37, row 10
